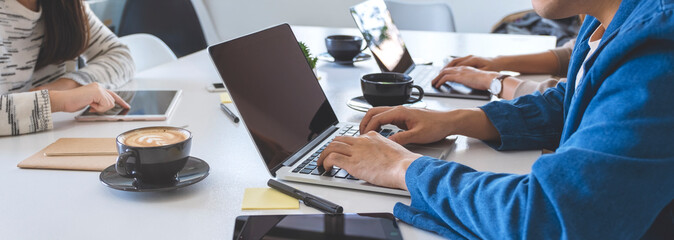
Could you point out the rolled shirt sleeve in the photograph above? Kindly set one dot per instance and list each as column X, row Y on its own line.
column 529, row 122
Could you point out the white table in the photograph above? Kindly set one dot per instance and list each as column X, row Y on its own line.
column 48, row 204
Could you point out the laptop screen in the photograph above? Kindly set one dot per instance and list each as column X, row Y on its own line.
column 384, row 40
column 275, row 91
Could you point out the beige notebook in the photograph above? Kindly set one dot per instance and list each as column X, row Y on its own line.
column 77, row 148
column 82, row 147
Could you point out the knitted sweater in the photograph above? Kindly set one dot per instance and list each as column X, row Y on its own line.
column 108, row 62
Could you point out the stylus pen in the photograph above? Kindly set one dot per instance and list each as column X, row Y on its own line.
column 308, row 199
column 229, row 113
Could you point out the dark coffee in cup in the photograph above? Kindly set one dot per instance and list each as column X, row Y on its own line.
column 153, row 155
column 389, row 89
column 344, row 47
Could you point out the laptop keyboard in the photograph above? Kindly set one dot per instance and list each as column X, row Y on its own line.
column 423, row 75
column 309, row 166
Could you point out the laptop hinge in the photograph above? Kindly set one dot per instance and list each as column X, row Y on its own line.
column 307, row 148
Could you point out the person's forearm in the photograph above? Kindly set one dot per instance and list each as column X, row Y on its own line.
column 55, row 101
column 473, row 122
column 509, row 87
column 536, row 63
column 59, row 84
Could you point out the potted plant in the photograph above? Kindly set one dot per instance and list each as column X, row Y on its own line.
column 310, row 58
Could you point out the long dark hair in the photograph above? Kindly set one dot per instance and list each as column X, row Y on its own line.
column 66, row 31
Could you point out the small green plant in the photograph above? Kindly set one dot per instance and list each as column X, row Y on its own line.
column 311, row 59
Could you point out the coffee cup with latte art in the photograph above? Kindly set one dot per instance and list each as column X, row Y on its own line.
column 153, row 155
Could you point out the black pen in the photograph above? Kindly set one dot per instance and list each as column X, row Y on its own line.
column 229, row 113
column 308, row 199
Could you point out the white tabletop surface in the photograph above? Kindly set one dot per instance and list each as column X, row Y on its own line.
column 53, row 204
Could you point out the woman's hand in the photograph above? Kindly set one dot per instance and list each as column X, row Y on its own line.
column 482, row 63
column 99, row 98
column 422, row 126
column 370, row 157
column 469, row 76
column 59, row 84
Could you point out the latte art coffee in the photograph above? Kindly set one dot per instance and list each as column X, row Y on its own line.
column 153, row 155
column 154, row 137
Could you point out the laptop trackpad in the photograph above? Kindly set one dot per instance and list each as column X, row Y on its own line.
column 440, row 149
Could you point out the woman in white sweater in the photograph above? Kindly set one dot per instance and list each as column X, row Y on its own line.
column 40, row 42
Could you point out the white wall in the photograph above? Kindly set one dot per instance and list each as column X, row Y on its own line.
column 233, row 18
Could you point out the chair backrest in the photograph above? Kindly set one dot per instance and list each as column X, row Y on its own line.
column 147, row 50
column 425, row 16
column 173, row 21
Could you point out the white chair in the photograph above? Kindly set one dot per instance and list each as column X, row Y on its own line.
column 147, row 50
column 426, row 16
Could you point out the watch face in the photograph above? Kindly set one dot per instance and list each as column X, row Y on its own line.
column 495, row 87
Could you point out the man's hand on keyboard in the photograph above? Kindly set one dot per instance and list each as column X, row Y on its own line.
column 422, row 126
column 370, row 157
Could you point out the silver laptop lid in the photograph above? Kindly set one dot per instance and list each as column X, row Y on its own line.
column 384, row 40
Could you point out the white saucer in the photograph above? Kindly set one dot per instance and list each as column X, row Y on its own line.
column 359, row 104
column 359, row 58
column 194, row 171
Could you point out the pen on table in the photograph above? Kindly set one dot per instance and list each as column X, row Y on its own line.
column 229, row 113
column 308, row 199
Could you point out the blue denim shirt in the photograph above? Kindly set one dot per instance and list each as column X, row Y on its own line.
column 612, row 174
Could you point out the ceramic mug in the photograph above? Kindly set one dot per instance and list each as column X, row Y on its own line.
column 389, row 89
column 344, row 47
column 153, row 155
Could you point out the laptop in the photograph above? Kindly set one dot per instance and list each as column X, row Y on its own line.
column 387, row 46
column 286, row 111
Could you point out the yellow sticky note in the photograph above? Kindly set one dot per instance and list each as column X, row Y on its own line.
column 267, row 198
column 225, row 98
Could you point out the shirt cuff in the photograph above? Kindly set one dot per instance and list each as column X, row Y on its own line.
column 506, row 123
column 26, row 112
column 416, row 214
column 43, row 113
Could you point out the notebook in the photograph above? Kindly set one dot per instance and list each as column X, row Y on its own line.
column 285, row 109
column 374, row 22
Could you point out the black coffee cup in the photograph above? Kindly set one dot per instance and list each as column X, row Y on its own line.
column 344, row 47
column 389, row 89
column 153, row 155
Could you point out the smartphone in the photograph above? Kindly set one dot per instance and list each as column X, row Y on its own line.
column 216, row 87
column 352, row 226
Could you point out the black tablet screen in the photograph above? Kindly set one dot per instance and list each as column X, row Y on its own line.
column 317, row 226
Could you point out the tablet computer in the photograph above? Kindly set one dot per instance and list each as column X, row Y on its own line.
column 146, row 105
column 352, row 226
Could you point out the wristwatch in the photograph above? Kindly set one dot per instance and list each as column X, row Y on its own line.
column 496, row 87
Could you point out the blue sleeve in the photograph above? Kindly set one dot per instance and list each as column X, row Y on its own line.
column 612, row 178
column 529, row 122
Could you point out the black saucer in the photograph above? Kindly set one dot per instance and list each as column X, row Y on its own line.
column 360, row 104
column 195, row 170
column 359, row 58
